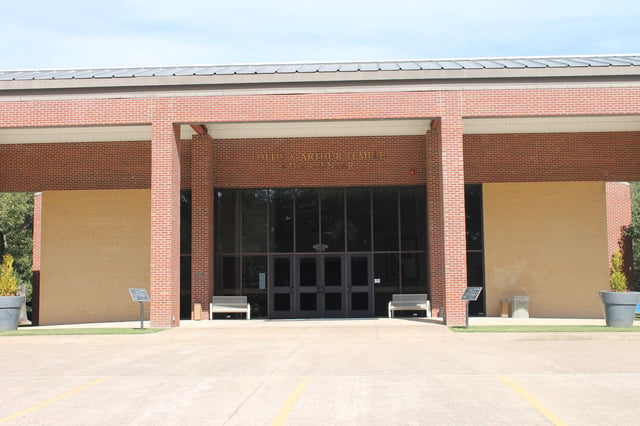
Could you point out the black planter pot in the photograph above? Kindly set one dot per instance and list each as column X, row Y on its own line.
column 10, row 312
column 619, row 307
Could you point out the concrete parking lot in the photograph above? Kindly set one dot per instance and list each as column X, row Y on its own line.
column 342, row 372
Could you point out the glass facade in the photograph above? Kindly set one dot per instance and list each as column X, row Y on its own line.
column 325, row 252
column 320, row 252
column 475, row 246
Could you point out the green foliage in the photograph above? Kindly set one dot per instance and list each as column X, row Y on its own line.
column 16, row 232
column 635, row 230
column 617, row 279
column 8, row 279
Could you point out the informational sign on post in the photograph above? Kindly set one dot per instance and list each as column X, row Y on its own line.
column 470, row 294
column 140, row 295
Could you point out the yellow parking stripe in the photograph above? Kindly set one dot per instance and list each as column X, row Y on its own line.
column 531, row 400
column 52, row 400
column 288, row 404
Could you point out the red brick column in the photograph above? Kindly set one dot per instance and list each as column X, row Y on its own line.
column 201, row 223
column 435, row 220
column 447, row 240
column 165, row 225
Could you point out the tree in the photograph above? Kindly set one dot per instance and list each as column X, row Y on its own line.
column 635, row 230
column 16, row 231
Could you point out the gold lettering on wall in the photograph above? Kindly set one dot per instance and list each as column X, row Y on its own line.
column 325, row 160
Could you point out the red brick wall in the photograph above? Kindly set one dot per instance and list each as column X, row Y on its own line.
column 165, row 226
column 327, row 161
column 488, row 158
column 59, row 166
column 202, row 224
column 552, row 157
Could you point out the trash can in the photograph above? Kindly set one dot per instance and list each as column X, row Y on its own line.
column 520, row 307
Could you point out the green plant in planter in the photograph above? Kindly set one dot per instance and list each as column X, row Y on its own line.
column 617, row 279
column 8, row 279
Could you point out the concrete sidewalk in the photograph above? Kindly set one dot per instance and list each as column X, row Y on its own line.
column 320, row 372
column 341, row 321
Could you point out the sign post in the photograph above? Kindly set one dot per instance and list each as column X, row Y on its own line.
column 140, row 295
column 470, row 293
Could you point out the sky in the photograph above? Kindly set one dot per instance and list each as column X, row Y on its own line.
column 36, row 34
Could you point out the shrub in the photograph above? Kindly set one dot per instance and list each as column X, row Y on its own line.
column 617, row 280
column 8, row 279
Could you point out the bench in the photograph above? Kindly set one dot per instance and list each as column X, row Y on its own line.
column 410, row 302
column 229, row 305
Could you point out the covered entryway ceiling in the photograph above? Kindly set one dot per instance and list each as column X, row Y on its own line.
column 563, row 124
column 331, row 128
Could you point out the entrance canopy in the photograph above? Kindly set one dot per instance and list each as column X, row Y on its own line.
column 435, row 124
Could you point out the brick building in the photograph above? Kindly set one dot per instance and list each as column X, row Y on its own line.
column 320, row 189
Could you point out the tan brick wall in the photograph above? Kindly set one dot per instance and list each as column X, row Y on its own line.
column 95, row 246
column 547, row 241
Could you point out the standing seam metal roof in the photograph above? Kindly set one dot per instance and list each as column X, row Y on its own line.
column 355, row 66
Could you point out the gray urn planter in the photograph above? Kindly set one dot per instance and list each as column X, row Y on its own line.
column 10, row 312
column 619, row 307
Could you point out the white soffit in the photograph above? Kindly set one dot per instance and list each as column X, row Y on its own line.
column 75, row 134
column 293, row 129
column 560, row 124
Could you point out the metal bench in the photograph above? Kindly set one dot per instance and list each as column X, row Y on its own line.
column 229, row 305
column 410, row 302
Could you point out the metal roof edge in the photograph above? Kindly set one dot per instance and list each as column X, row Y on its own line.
column 333, row 62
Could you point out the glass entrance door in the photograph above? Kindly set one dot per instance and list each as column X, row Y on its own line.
column 360, row 272
column 282, row 297
column 321, row 286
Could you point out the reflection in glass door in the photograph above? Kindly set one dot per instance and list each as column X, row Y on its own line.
column 307, row 287
column 282, row 290
column 312, row 286
column 333, row 291
column 360, row 294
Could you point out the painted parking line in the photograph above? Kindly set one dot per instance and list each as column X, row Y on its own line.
column 535, row 403
column 52, row 400
column 290, row 402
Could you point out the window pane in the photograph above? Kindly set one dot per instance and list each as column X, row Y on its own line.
column 308, row 272
column 307, row 220
column 333, row 271
column 386, row 269
column 360, row 271
column 333, row 301
column 414, row 273
column 360, row 301
column 358, row 219
column 185, row 222
column 254, row 273
column 308, row 302
column 475, row 278
column 282, row 302
column 385, row 219
column 226, row 227
column 473, row 213
column 281, row 272
column 332, row 201
column 258, row 302
column 185, row 287
column 281, row 220
column 254, row 220
column 413, row 218
column 227, row 276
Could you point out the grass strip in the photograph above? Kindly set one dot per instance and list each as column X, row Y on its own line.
column 78, row 331
column 543, row 329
